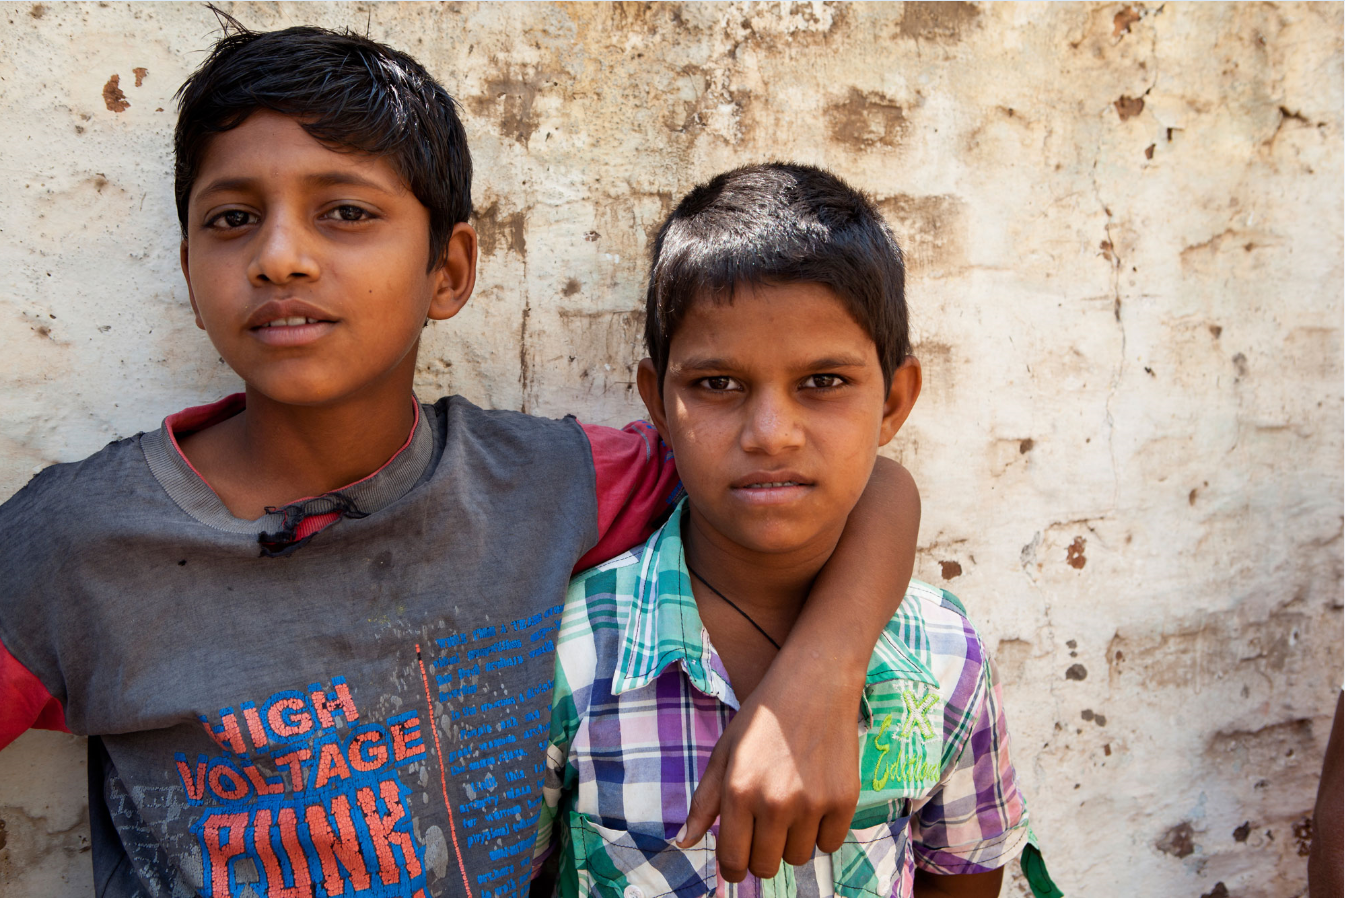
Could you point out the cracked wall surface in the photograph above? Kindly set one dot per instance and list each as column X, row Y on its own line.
column 1124, row 230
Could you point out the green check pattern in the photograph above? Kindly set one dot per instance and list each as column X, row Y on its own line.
column 641, row 698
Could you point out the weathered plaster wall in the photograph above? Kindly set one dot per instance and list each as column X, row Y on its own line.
column 1124, row 227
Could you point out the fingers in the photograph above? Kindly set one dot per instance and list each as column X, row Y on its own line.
column 802, row 840
column 832, row 831
column 736, row 825
column 769, row 834
column 705, row 801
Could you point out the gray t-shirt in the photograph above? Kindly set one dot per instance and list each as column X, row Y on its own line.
column 365, row 715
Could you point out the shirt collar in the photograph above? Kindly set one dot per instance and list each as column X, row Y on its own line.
column 185, row 485
column 664, row 627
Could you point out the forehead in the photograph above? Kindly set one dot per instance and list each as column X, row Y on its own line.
column 761, row 323
column 271, row 150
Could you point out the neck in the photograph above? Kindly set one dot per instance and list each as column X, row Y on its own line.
column 275, row 453
column 770, row 588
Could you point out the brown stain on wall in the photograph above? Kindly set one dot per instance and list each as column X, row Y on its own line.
column 509, row 99
column 929, row 229
column 1213, row 649
column 937, row 21
column 1074, row 556
column 112, row 96
column 1122, row 21
column 494, row 230
column 864, row 119
column 1129, row 107
column 140, row 73
column 1178, row 841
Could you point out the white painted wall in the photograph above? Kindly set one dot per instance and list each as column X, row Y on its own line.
column 1125, row 234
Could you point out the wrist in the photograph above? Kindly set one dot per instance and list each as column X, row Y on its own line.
column 842, row 664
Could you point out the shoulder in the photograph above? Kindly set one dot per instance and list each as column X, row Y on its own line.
column 599, row 598
column 597, row 609
column 454, row 413
column 932, row 626
column 76, row 492
column 934, row 620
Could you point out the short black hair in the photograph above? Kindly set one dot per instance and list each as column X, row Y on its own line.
column 778, row 223
column 347, row 91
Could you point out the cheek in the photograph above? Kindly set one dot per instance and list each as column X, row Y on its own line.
column 700, row 441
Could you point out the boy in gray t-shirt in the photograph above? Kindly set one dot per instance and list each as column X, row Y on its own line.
column 312, row 625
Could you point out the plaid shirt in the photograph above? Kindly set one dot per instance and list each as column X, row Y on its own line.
column 641, row 697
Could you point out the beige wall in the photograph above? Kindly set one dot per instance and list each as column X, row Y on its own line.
column 1124, row 226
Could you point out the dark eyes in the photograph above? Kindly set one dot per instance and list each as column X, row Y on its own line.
column 350, row 213
column 723, row 383
column 231, row 219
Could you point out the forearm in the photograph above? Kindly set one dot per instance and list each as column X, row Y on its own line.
column 967, row 885
column 862, row 584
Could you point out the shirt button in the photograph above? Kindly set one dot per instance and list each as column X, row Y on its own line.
column 633, row 892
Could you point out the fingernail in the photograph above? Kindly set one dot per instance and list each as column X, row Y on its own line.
column 681, row 834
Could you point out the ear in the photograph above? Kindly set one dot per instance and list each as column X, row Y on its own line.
column 906, row 381
column 646, row 379
column 186, row 275
column 455, row 277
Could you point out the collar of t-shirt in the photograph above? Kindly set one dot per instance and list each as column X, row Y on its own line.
column 298, row 520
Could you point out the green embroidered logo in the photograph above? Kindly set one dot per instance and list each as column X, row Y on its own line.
column 917, row 713
column 910, row 764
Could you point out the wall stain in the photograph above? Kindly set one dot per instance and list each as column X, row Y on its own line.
column 494, row 229
column 113, row 97
column 1122, row 21
column 929, row 229
column 1178, row 841
column 1076, row 672
column 1074, row 556
column 865, row 119
column 1129, row 107
column 943, row 22
column 950, row 569
column 509, row 99
column 140, row 73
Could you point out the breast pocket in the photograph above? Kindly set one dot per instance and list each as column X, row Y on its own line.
column 615, row 863
column 874, row 861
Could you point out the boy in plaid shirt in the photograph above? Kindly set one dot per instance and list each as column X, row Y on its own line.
column 779, row 364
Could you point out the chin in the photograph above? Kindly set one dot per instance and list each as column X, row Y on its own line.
column 776, row 540
column 297, row 390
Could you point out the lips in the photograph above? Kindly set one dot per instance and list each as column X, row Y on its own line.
column 290, row 322
column 758, row 480
column 772, row 487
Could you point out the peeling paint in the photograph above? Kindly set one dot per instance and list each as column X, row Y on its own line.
column 113, row 97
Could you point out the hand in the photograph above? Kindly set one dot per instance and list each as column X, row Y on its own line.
column 965, row 885
column 784, row 777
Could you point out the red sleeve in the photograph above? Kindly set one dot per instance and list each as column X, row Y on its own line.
column 637, row 485
column 24, row 701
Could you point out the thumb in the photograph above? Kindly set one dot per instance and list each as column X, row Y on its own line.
column 705, row 801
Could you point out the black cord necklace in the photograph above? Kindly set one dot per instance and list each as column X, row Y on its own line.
column 734, row 606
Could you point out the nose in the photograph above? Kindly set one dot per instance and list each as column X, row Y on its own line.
column 770, row 425
column 284, row 251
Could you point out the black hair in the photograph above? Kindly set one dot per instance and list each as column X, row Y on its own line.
column 347, row 91
column 778, row 223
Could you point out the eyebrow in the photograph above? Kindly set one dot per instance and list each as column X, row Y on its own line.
column 721, row 364
column 318, row 179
